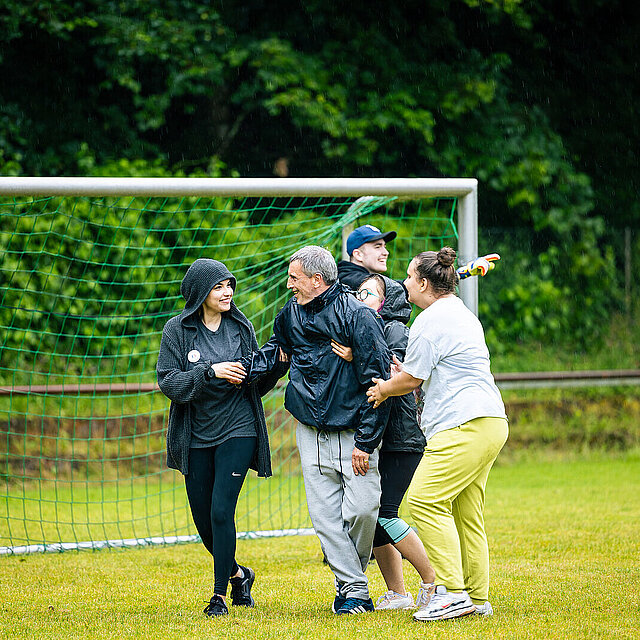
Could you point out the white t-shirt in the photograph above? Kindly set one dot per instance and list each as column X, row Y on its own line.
column 447, row 350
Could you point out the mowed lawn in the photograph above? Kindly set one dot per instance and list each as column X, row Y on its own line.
column 565, row 541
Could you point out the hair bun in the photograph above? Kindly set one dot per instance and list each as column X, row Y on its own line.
column 446, row 256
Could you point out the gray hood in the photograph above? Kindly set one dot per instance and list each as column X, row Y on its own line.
column 396, row 306
column 201, row 277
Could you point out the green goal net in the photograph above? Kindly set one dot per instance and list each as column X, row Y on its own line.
column 86, row 286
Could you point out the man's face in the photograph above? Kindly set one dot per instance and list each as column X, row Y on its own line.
column 304, row 287
column 372, row 256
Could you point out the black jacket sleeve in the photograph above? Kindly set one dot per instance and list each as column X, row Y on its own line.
column 178, row 385
column 263, row 366
column 397, row 337
column 371, row 359
column 280, row 333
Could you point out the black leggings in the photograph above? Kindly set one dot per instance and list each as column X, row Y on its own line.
column 216, row 475
column 396, row 472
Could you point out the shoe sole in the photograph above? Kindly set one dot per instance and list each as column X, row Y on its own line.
column 448, row 615
column 353, row 613
column 484, row 613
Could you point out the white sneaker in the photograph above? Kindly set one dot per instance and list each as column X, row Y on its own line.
column 445, row 605
column 425, row 593
column 393, row 600
column 484, row 609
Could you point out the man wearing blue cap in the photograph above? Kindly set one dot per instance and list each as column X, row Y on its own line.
column 368, row 254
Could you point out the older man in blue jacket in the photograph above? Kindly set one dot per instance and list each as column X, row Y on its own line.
column 338, row 430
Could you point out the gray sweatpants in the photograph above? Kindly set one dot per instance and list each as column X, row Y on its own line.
column 343, row 507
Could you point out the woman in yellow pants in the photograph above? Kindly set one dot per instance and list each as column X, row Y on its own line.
column 465, row 426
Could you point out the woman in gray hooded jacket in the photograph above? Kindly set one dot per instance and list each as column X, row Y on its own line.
column 217, row 428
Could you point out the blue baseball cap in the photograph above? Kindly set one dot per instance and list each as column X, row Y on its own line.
column 367, row 233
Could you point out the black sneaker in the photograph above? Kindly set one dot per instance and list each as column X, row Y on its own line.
column 338, row 601
column 353, row 606
column 241, row 589
column 216, row 607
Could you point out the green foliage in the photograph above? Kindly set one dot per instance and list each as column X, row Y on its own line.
column 549, row 294
column 576, row 421
column 436, row 88
column 88, row 283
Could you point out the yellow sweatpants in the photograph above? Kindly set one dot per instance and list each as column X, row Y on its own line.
column 446, row 501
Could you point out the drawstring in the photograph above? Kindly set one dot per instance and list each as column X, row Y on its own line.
column 340, row 456
column 326, row 437
column 318, row 445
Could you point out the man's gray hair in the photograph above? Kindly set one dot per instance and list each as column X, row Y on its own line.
column 314, row 259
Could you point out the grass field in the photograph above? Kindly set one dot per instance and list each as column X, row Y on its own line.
column 565, row 540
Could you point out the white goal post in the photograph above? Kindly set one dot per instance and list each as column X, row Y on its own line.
column 464, row 189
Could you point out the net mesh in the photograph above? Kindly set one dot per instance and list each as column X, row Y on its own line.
column 86, row 286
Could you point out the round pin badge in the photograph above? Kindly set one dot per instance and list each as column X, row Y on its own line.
column 193, row 356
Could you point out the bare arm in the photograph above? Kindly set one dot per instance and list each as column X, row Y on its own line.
column 399, row 385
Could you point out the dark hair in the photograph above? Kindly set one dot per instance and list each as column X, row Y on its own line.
column 438, row 269
column 379, row 281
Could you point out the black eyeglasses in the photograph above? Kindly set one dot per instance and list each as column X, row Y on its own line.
column 363, row 294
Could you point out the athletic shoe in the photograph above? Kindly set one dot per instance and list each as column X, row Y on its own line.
column 425, row 593
column 445, row 605
column 338, row 601
column 394, row 600
column 216, row 607
column 484, row 609
column 353, row 606
column 241, row 589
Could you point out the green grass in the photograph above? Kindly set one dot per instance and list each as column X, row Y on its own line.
column 572, row 421
column 565, row 545
column 105, row 501
column 617, row 346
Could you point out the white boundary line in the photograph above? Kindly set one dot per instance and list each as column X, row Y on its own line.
column 95, row 545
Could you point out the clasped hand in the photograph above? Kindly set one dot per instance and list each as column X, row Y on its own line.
column 234, row 372
column 375, row 393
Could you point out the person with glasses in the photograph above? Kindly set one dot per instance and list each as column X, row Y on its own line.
column 401, row 451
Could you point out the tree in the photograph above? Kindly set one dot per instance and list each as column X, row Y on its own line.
column 414, row 88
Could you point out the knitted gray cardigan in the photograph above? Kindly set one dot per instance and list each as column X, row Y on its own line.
column 182, row 386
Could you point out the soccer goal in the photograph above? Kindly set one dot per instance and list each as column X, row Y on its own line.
column 90, row 272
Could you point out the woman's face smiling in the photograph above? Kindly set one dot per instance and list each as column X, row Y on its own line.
column 219, row 298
